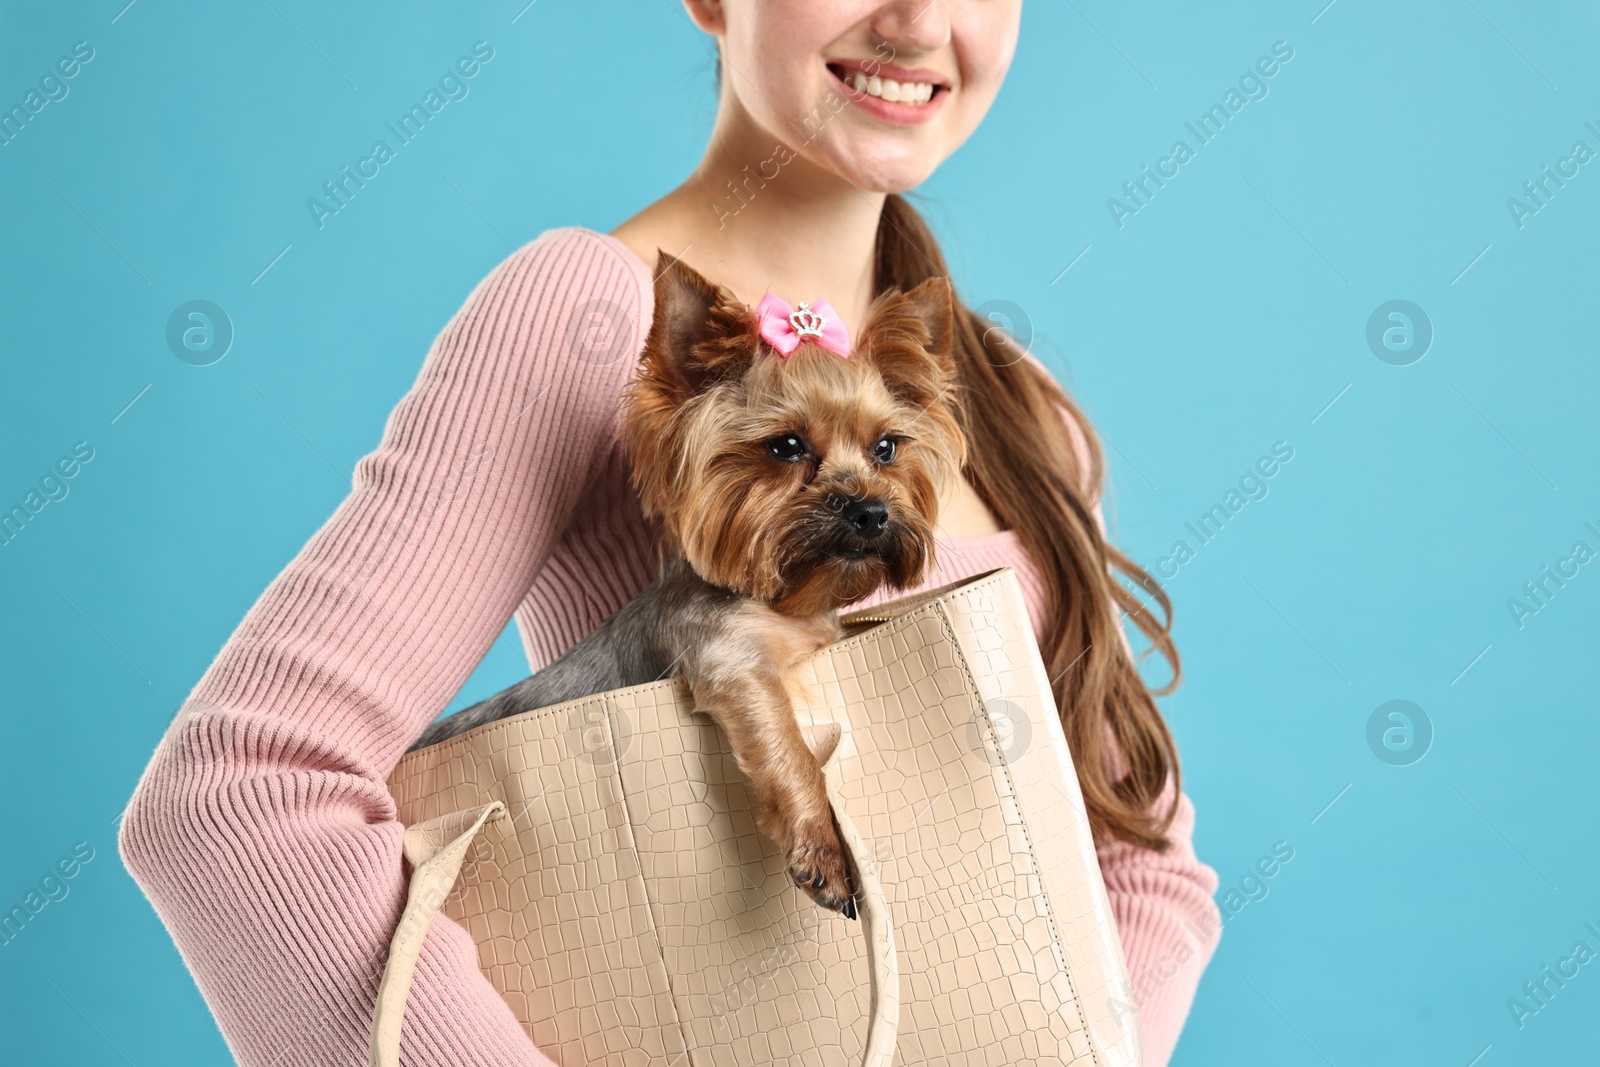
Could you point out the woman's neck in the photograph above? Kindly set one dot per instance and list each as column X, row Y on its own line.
column 756, row 217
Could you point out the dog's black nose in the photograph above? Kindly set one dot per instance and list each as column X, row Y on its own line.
column 869, row 517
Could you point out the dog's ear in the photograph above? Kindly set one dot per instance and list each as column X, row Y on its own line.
column 699, row 330
column 909, row 338
column 933, row 303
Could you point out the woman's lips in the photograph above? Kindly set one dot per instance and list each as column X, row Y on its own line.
column 895, row 94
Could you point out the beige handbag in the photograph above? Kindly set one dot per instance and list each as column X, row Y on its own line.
column 603, row 854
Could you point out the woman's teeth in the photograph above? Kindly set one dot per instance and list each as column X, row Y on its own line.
column 893, row 91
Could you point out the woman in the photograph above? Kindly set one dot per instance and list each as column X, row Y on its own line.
column 262, row 830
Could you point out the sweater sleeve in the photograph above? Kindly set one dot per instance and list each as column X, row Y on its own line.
column 1167, row 919
column 262, row 830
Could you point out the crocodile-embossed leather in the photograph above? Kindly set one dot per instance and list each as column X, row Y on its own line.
column 628, row 910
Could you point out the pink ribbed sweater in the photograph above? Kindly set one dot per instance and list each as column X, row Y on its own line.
column 262, row 830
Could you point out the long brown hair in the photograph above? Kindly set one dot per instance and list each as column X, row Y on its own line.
column 1023, row 463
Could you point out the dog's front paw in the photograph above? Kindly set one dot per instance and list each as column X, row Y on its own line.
column 818, row 864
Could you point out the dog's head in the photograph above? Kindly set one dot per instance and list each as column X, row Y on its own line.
column 804, row 481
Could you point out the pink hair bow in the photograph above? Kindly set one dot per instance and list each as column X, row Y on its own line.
column 784, row 327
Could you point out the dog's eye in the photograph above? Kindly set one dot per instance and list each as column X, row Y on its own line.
column 788, row 447
column 885, row 450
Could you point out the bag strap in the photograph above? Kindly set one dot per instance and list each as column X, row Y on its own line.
column 437, row 847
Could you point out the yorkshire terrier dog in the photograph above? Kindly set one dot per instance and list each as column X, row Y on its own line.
column 791, row 473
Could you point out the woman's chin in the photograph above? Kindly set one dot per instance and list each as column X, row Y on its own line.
column 879, row 168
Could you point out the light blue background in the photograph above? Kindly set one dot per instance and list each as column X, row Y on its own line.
column 1224, row 316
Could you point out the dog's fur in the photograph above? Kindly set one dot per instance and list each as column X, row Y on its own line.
column 759, row 551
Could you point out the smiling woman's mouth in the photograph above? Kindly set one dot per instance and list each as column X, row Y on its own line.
column 910, row 92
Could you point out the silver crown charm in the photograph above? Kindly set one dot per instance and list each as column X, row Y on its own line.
column 806, row 323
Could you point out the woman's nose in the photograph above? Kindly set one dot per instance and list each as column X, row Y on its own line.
column 913, row 25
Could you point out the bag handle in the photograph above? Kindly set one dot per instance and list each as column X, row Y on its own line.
column 437, row 847
column 872, row 908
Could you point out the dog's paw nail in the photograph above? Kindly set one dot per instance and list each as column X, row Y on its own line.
column 820, row 879
column 849, row 909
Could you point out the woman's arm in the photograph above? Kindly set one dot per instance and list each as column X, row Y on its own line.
column 1168, row 924
column 262, row 830
column 1166, row 918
